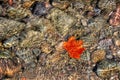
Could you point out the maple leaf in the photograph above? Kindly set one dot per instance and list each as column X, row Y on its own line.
column 74, row 47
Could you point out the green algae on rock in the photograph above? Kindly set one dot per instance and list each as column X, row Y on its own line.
column 61, row 20
column 106, row 68
column 17, row 13
column 11, row 28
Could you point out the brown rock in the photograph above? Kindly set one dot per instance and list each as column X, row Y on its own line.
column 117, row 42
column 27, row 4
column 61, row 5
column 84, row 22
column 8, row 67
column 46, row 48
column 98, row 55
column 59, row 48
column 116, row 34
column 55, row 58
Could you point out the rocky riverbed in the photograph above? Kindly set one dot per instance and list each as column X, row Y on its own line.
column 33, row 34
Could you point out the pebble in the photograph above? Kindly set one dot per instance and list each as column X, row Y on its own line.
column 46, row 48
column 84, row 22
column 98, row 55
column 110, row 56
column 55, row 58
column 59, row 48
column 27, row 4
column 40, row 8
column 117, row 42
column 61, row 5
column 105, row 44
column 118, row 53
column 116, row 33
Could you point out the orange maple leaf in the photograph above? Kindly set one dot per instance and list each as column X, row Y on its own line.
column 74, row 47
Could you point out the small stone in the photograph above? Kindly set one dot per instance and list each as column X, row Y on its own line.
column 117, row 42
column 118, row 53
column 8, row 67
column 116, row 33
column 105, row 44
column 17, row 13
column 59, row 47
column 98, row 55
column 84, row 22
column 55, row 58
column 110, row 56
column 61, row 5
column 27, row 4
column 115, row 17
column 0, row 44
column 107, row 4
column 40, row 8
column 46, row 48
column 93, row 76
column 73, row 76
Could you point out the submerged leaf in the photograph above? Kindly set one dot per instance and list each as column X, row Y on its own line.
column 74, row 47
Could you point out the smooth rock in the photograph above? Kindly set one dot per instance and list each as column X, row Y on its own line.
column 98, row 55
column 117, row 42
